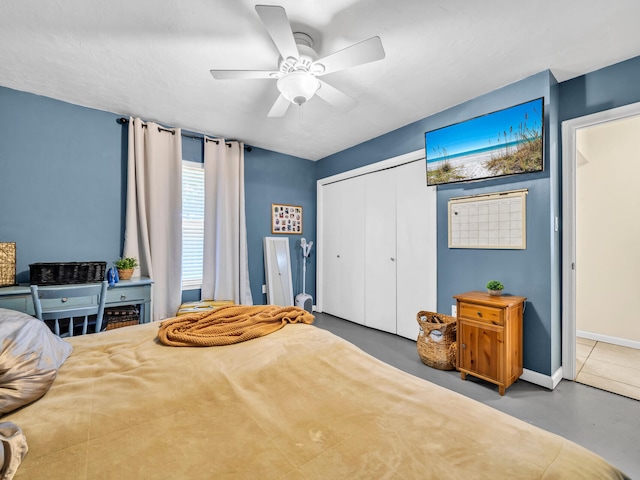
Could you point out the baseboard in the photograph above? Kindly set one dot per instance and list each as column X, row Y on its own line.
column 623, row 342
column 542, row 380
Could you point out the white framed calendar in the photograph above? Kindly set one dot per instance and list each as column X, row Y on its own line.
column 496, row 220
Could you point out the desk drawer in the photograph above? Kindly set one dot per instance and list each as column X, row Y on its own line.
column 22, row 303
column 140, row 294
column 481, row 313
column 68, row 302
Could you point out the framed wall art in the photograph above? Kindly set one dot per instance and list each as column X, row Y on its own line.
column 506, row 142
column 286, row 219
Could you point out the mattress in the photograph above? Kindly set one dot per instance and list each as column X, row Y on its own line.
column 300, row 403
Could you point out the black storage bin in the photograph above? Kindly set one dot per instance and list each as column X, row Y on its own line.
column 66, row 273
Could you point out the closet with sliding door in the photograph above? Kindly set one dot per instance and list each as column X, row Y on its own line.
column 377, row 246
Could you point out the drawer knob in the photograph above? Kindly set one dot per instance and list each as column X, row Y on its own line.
column 464, row 345
column 123, row 297
column 64, row 299
column 479, row 314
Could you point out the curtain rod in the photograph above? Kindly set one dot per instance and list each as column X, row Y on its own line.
column 123, row 121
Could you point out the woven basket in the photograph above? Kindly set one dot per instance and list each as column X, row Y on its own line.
column 436, row 342
column 117, row 317
column 7, row 263
column 66, row 273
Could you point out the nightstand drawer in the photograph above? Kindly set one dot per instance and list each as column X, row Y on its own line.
column 481, row 313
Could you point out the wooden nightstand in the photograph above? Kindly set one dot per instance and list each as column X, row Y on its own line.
column 490, row 337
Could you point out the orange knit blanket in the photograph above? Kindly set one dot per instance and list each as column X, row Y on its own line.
column 227, row 325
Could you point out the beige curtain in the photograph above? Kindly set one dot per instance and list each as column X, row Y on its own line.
column 225, row 267
column 153, row 232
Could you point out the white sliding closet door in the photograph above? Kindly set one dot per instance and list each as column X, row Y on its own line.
column 380, row 250
column 343, row 252
column 416, row 264
column 330, row 244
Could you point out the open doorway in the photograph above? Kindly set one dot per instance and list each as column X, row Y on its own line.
column 601, row 168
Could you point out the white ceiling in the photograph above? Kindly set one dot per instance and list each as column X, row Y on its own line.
column 151, row 59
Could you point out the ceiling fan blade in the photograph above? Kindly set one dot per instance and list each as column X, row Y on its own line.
column 279, row 107
column 242, row 74
column 335, row 97
column 364, row 52
column 279, row 28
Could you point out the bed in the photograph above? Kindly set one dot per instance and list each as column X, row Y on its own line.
column 299, row 403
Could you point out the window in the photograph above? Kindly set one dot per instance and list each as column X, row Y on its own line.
column 192, row 224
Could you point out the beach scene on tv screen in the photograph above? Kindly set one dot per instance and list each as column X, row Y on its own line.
column 505, row 142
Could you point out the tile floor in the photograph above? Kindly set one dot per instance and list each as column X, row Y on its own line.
column 608, row 367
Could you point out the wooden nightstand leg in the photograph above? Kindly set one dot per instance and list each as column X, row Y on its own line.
column 501, row 389
column 463, row 375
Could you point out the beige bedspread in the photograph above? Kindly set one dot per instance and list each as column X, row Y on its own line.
column 299, row 403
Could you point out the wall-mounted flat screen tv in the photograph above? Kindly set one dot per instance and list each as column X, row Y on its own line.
column 506, row 142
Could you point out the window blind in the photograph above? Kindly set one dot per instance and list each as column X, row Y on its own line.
column 192, row 224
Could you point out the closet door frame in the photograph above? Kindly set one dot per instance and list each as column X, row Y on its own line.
column 373, row 167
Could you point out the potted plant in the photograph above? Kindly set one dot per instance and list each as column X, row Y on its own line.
column 125, row 266
column 494, row 287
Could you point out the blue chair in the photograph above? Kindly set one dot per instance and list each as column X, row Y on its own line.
column 72, row 304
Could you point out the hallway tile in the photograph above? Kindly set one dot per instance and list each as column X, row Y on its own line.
column 609, row 367
column 616, row 354
column 609, row 385
column 585, row 341
column 582, row 353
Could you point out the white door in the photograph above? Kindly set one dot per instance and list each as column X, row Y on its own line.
column 330, row 244
column 378, row 235
column 343, row 252
column 380, row 250
column 613, row 180
column 607, row 230
column 416, row 247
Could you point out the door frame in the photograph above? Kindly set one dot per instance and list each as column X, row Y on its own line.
column 569, row 131
column 372, row 167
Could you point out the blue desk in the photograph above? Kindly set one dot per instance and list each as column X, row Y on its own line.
column 136, row 291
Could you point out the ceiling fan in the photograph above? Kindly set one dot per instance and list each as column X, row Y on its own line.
column 300, row 67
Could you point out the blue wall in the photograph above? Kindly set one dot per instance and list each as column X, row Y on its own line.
column 63, row 181
column 275, row 178
column 601, row 90
column 62, row 171
column 535, row 272
column 524, row 272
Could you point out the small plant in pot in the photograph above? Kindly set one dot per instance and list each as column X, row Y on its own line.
column 125, row 266
column 494, row 287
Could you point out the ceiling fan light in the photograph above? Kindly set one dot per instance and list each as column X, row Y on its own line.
column 298, row 87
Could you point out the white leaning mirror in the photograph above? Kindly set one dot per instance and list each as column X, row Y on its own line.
column 277, row 268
